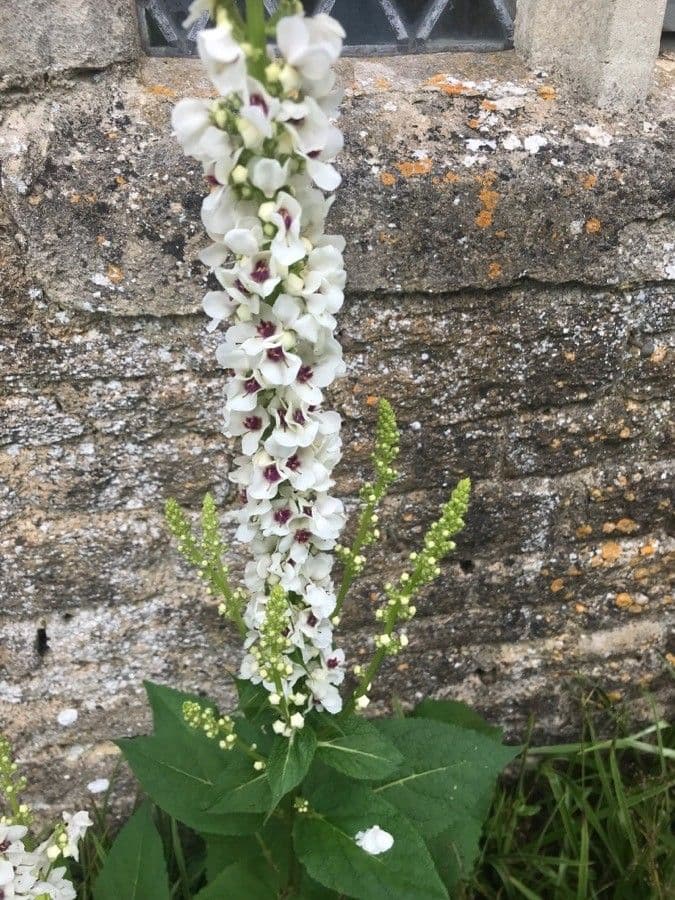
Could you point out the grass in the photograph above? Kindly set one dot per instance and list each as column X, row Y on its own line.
column 582, row 821
column 579, row 821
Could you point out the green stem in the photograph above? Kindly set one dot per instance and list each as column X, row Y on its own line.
column 357, row 546
column 255, row 23
column 374, row 667
column 629, row 743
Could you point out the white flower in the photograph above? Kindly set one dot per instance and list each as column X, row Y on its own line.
column 297, row 720
column 223, row 58
column 374, row 840
column 310, row 45
column 76, row 828
column 268, row 175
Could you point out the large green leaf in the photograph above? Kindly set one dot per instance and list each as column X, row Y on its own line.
column 134, row 868
column 181, row 785
column 180, row 768
column 452, row 712
column 240, row 789
column 289, row 761
column 445, row 785
column 240, row 882
column 268, row 848
column 325, row 844
column 358, row 749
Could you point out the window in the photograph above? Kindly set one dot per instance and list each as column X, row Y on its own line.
column 372, row 26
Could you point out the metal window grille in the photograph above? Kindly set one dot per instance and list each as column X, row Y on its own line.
column 372, row 26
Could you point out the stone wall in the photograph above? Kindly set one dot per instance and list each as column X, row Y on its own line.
column 510, row 290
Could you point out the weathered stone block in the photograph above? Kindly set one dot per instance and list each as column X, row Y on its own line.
column 42, row 39
column 607, row 47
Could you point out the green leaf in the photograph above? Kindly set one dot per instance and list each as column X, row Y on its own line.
column 445, row 785
column 179, row 767
column 289, row 762
column 452, row 712
column 253, row 698
column 241, row 789
column 239, row 881
column 269, row 847
column 358, row 749
column 181, row 785
column 134, row 868
column 324, row 842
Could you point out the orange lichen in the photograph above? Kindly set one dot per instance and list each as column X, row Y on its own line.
column 589, row 181
column 583, row 531
column 451, row 177
column 610, row 551
column 624, row 433
column 488, row 105
column 161, row 90
column 489, row 200
column 440, row 80
column 614, row 696
column 580, row 608
column 647, row 550
column 627, row 526
column 382, row 84
column 120, row 180
column 484, row 218
column 494, row 270
column 473, row 123
column 593, row 226
column 557, row 585
column 623, row 600
column 415, row 167
column 387, row 179
column 658, row 356
column 101, row 240
column 115, row 274
column 371, row 400
column 547, row 92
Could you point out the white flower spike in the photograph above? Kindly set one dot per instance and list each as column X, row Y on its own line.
column 267, row 149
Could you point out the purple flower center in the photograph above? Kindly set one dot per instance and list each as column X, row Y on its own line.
column 253, row 423
column 4, row 845
column 251, row 386
column 261, row 272
column 286, row 216
column 333, row 662
column 281, row 516
column 271, row 474
column 259, row 100
column 304, row 374
column 307, row 510
column 298, row 417
column 302, row 536
column 240, row 287
column 276, row 354
column 313, row 154
column 266, row 329
column 312, row 620
column 212, row 180
column 293, row 462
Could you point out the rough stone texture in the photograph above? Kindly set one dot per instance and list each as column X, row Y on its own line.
column 516, row 306
column 43, row 40
column 608, row 47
